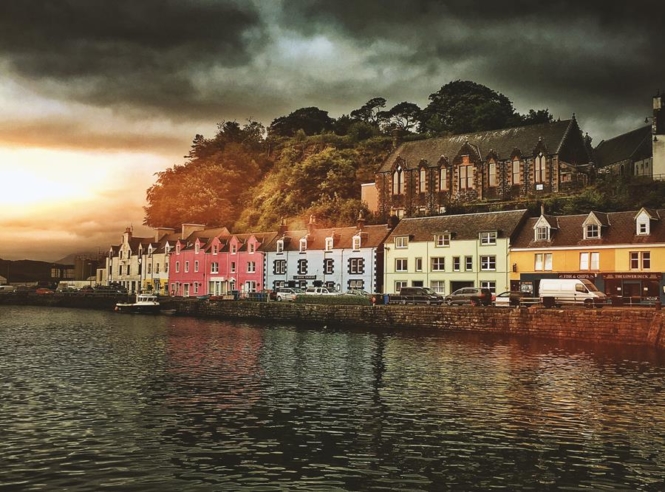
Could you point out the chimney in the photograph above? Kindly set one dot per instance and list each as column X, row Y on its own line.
column 127, row 236
column 160, row 232
column 187, row 229
column 542, row 209
column 282, row 228
column 361, row 220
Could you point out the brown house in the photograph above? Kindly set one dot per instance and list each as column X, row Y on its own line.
column 424, row 177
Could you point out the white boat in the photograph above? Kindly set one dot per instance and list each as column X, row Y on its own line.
column 145, row 303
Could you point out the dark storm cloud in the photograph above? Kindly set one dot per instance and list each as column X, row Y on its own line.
column 144, row 52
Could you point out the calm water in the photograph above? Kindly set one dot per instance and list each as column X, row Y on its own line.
column 103, row 401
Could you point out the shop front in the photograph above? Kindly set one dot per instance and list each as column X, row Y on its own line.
column 634, row 288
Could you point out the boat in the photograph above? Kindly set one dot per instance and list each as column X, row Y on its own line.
column 144, row 303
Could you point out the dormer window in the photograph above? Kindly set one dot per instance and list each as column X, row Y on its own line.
column 401, row 242
column 542, row 233
column 303, row 245
column 442, row 240
column 215, row 249
column 197, row 248
column 280, row 246
column 234, row 248
column 356, row 243
column 643, row 225
column 251, row 247
column 329, row 244
column 488, row 238
column 592, row 231
column 177, row 248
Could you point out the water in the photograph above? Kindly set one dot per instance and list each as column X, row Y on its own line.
column 103, row 401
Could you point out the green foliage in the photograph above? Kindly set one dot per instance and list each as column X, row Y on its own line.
column 310, row 121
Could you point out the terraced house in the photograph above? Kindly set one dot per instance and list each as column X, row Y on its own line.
column 425, row 177
column 622, row 253
column 449, row 252
column 338, row 258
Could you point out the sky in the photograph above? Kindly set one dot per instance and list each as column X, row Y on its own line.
column 97, row 96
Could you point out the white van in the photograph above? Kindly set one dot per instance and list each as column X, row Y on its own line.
column 5, row 289
column 557, row 291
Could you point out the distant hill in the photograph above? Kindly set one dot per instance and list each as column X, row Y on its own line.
column 24, row 271
column 71, row 258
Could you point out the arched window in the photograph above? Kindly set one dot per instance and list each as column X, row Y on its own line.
column 443, row 179
column 540, row 168
column 398, row 183
column 491, row 171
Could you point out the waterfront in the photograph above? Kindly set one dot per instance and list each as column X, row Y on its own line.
column 94, row 399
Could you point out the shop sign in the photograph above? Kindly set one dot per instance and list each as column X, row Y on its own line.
column 304, row 277
column 632, row 276
column 588, row 276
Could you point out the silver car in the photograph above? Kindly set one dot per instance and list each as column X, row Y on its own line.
column 287, row 294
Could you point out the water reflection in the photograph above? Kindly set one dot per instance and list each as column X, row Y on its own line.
column 96, row 400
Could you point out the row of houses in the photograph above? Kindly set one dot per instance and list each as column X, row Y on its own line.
column 623, row 253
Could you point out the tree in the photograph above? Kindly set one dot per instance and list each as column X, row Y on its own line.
column 312, row 121
column 536, row 117
column 464, row 107
column 404, row 116
column 370, row 112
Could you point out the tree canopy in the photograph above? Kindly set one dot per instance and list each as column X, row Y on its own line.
column 311, row 121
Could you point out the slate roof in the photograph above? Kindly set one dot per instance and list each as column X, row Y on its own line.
column 371, row 237
column 626, row 147
column 461, row 227
column 502, row 142
column 620, row 229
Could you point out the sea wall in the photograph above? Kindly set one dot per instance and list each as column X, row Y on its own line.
column 620, row 325
column 630, row 326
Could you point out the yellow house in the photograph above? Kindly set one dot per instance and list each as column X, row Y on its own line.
column 622, row 253
column 449, row 252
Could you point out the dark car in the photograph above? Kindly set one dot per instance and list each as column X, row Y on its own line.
column 475, row 296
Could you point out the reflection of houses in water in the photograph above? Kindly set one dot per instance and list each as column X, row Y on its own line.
column 623, row 253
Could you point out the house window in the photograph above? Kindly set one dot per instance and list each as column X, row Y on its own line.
column 196, row 266
column 516, row 172
column 329, row 244
column 466, row 177
column 252, row 248
column 640, row 260
column 422, row 182
column 492, row 173
column 279, row 267
column 542, row 233
column 589, row 261
column 186, row 267
column 438, row 264
column 443, row 179
column 456, row 263
column 399, row 284
column 156, row 268
column 215, row 249
column 543, row 261
column 166, row 268
column 197, row 248
column 302, row 267
column 401, row 264
column 234, row 248
column 251, row 267
column 488, row 262
column 214, row 267
column 196, row 287
column 356, row 243
column 303, row 245
column 642, row 226
column 489, row 284
column 149, row 268
column 329, row 266
column 177, row 248
column 442, row 240
column 356, row 284
column 468, row 262
column 402, row 242
column 592, row 231
column 233, row 267
column 419, row 264
column 177, row 267
column 438, row 286
column 280, row 246
column 540, row 169
column 488, row 238
column 356, row 265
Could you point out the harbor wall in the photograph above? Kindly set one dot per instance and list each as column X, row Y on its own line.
column 620, row 325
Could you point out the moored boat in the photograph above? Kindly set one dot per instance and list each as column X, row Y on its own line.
column 145, row 303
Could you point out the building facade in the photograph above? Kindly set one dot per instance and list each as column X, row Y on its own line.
column 449, row 252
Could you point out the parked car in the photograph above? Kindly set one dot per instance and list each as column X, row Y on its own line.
column 43, row 291
column 287, row 294
column 357, row 292
column 508, row 299
column 318, row 291
column 475, row 296
column 416, row 295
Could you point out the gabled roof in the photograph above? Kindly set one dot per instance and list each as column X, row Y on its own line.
column 501, row 142
column 630, row 146
column 461, row 227
column 621, row 229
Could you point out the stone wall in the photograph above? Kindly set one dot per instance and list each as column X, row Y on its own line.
column 630, row 326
